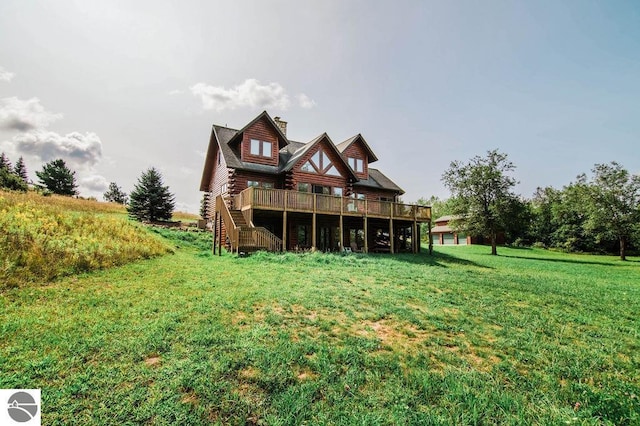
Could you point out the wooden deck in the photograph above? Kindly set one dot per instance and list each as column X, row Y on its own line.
column 304, row 202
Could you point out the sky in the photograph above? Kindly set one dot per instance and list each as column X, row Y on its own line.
column 116, row 87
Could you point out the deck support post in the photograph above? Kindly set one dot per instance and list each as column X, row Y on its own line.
column 313, row 231
column 284, row 231
column 391, row 236
column 220, row 235
column 366, row 235
column 415, row 242
column 215, row 223
column 341, row 227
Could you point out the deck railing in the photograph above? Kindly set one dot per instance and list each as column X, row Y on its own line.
column 258, row 237
column 280, row 199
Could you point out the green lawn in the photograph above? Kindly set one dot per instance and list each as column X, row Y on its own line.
column 528, row 337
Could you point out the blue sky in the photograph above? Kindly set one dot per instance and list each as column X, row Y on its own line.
column 119, row 86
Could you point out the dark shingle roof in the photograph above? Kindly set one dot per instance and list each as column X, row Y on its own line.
column 290, row 154
column 379, row 181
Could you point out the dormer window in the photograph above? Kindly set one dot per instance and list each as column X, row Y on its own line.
column 356, row 164
column 261, row 148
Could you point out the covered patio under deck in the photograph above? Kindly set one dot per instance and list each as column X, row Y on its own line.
column 331, row 223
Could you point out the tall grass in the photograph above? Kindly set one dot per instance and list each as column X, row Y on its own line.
column 42, row 238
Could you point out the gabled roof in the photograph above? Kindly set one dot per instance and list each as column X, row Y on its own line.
column 447, row 218
column 302, row 150
column 342, row 146
column 379, row 181
column 290, row 154
column 282, row 139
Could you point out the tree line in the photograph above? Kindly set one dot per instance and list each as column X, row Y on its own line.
column 599, row 212
column 150, row 200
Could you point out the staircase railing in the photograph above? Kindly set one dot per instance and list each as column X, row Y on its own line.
column 230, row 225
column 258, row 238
column 247, row 237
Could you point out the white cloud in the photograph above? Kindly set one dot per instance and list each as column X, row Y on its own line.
column 248, row 94
column 17, row 114
column 96, row 183
column 305, row 101
column 81, row 149
column 5, row 75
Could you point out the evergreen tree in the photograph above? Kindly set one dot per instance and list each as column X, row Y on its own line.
column 115, row 194
column 8, row 179
column 5, row 164
column 58, row 178
column 20, row 170
column 150, row 200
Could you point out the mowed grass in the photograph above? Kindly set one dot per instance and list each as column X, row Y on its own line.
column 528, row 337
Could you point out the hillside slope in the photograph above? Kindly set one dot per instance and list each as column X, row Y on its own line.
column 42, row 238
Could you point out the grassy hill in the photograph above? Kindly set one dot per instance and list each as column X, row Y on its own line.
column 42, row 238
column 529, row 337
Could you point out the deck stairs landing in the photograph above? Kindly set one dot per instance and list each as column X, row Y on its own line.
column 244, row 237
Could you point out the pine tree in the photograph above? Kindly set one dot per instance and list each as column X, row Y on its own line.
column 5, row 164
column 150, row 200
column 20, row 170
column 115, row 194
column 58, row 178
column 8, row 179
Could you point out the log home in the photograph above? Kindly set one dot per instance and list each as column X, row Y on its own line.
column 271, row 193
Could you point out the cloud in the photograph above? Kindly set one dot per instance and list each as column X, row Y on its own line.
column 82, row 149
column 305, row 101
column 17, row 114
column 248, row 94
column 5, row 75
column 95, row 183
column 176, row 92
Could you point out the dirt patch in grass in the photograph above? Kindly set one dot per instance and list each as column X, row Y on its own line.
column 304, row 373
column 190, row 398
column 396, row 335
column 153, row 360
column 249, row 373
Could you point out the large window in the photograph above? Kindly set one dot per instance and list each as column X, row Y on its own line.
column 321, row 164
column 320, row 189
column 260, row 148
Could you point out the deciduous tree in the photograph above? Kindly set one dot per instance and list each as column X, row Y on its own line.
column 614, row 204
column 481, row 193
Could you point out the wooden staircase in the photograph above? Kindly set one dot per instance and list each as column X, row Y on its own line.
column 243, row 237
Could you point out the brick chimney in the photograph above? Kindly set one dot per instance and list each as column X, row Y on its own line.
column 281, row 124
